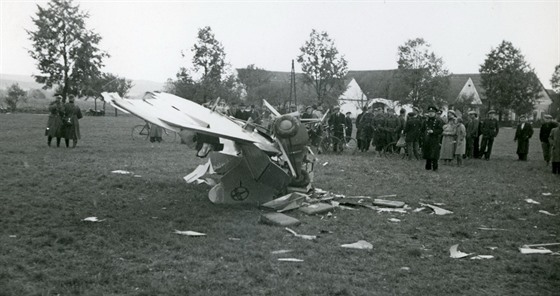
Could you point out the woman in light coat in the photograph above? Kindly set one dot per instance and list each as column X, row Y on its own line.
column 448, row 141
column 461, row 147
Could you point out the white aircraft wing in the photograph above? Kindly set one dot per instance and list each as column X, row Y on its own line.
column 175, row 113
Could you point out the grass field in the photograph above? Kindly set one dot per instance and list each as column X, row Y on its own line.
column 45, row 248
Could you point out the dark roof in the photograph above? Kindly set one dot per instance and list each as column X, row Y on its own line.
column 374, row 83
column 458, row 81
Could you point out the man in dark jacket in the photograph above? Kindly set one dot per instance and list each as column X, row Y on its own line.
column 365, row 129
column 432, row 130
column 378, row 124
column 489, row 129
column 544, row 133
column 337, row 123
column 349, row 126
column 413, row 133
column 472, row 135
column 523, row 133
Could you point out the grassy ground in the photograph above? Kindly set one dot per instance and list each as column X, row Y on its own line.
column 45, row 248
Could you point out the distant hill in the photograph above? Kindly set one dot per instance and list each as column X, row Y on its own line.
column 27, row 82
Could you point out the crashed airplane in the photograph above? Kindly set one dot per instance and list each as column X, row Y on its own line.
column 250, row 163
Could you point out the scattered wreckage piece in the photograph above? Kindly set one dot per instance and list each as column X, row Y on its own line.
column 388, row 203
column 437, row 210
column 92, row 219
column 287, row 202
column 479, row 257
column 304, row 236
column 189, row 233
column 317, row 208
column 281, row 252
column 540, row 250
column 360, row 245
column 279, row 219
column 290, row 260
column 532, row 201
column 547, row 213
column 456, row 254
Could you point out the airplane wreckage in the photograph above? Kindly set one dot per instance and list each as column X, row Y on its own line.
column 249, row 163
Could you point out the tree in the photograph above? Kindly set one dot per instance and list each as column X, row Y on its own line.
column 509, row 81
column 555, row 80
column 209, row 59
column 324, row 67
column 65, row 50
column 421, row 77
column 253, row 78
column 15, row 95
column 106, row 82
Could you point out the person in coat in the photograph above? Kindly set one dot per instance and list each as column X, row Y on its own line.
column 448, row 140
column 432, row 130
column 72, row 114
column 413, row 133
column 366, row 130
column 54, row 123
column 472, row 127
column 337, row 124
column 461, row 139
column 544, row 134
column 523, row 133
column 489, row 130
column 349, row 126
column 554, row 140
column 378, row 125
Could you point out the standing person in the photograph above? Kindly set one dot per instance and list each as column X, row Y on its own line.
column 544, row 134
column 413, row 133
column 72, row 114
column 448, row 140
column 392, row 127
column 554, row 140
column 349, row 126
column 366, row 130
column 523, row 133
column 432, row 129
column 472, row 135
column 489, row 129
column 54, row 123
column 461, row 146
column 359, row 128
column 378, row 124
column 308, row 114
column 156, row 133
column 337, row 123
column 316, row 112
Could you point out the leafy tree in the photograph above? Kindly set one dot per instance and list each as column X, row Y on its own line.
column 15, row 95
column 106, row 82
column 421, row 78
column 254, row 79
column 324, row 67
column 509, row 81
column 66, row 52
column 555, row 80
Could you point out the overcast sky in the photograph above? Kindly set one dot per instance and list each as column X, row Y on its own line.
column 145, row 38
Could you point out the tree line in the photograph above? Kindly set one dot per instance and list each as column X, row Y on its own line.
column 69, row 59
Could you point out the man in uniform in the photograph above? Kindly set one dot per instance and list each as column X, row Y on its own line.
column 365, row 129
column 379, row 130
column 544, row 134
column 337, row 123
column 432, row 130
column 523, row 133
column 472, row 135
column 349, row 126
column 489, row 129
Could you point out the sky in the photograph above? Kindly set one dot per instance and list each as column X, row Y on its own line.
column 146, row 39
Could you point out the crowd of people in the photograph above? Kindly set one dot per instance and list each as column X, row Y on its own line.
column 450, row 138
column 63, row 122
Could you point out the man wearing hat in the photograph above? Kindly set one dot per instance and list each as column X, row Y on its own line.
column 72, row 114
column 544, row 134
column 432, row 130
column 413, row 133
column 523, row 133
column 489, row 129
column 472, row 135
column 308, row 114
column 337, row 123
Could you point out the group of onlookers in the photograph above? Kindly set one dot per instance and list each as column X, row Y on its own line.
column 63, row 122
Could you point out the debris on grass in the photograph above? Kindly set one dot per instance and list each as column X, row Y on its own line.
column 492, row 229
column 492, row 248
column 317, row 208
column 532, row 201
column 405, row 268
column 541, row 250
column 279, row 219
column 388, row 203
column 325, row 163
column 189, row 233
column 437, row 210
column 290, row 260
column 478, row 257
column 547, row 213
column 456, row 254
column 234, row 239
column 394, row 220
column 197, row 174
column 386, row 210
column 361, row 245
column 304, row 236
column 281, row 252
column 12, row 236
column 92, row 219
column 121, row 172
column 287, row 202
column 547, row 194
column 417, row 210
column 137, row 176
